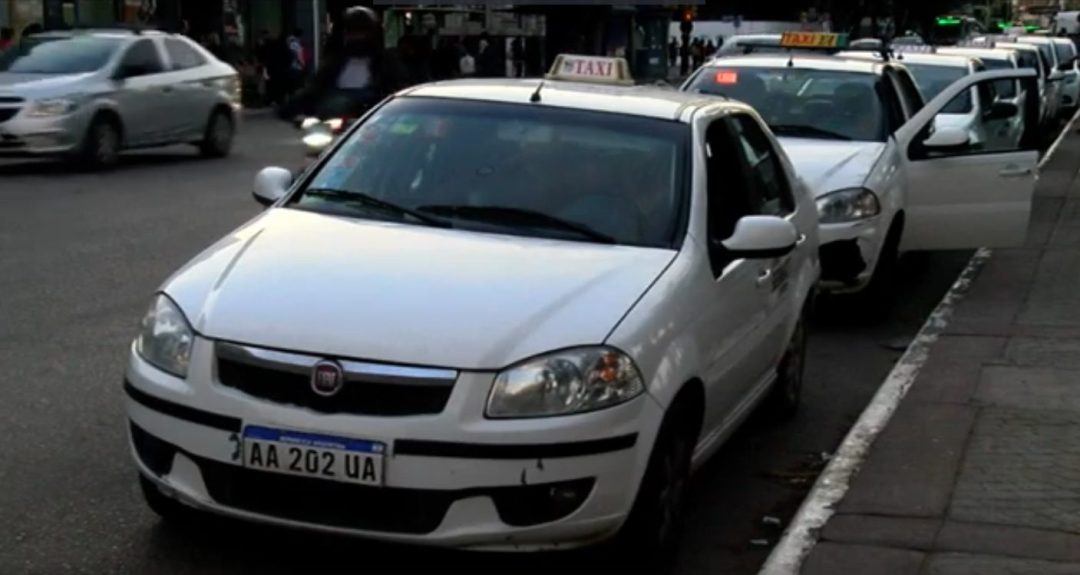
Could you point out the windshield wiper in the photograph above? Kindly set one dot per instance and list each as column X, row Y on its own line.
column 347, row 196
column 799, row 130
column 519, row 216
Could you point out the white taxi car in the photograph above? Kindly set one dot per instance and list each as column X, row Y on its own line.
column 1070, row 91
column 859, row 133
column 506, row 314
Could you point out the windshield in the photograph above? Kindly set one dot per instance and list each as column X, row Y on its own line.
column 1027, row 59
column 933, row 79
column 510, row 168
column 1003, row 88
column 58, row 55
column 800, row 102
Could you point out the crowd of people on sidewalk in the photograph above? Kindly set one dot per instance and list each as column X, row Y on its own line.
column 698, row 51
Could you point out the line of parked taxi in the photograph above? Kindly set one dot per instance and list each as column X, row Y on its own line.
column 516, row 314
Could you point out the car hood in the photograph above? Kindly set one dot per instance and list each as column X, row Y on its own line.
column 828, row 165
column 39, row 85
column 405, row 294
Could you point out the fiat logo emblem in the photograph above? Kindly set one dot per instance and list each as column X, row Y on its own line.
column 327, row 378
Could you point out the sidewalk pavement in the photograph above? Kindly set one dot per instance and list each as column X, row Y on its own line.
column 978, row 472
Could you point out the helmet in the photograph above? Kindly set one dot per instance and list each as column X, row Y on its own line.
column 360, row 18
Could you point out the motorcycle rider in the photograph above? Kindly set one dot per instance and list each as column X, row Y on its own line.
column 356, row 73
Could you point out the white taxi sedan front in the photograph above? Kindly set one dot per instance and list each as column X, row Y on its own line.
column 505, row 314
column 886, row 179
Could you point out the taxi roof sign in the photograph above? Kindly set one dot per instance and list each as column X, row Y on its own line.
column 814, row 40
column 593, row 69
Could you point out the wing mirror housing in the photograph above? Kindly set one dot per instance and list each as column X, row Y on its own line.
column 1056, row 76
column 761, row 237
column 271, row 184
column 1002, row 110
column 948, row 138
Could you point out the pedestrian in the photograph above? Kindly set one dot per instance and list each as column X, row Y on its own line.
column 212, row 42
column 485, row 66
column 357, row 65
column 7, row 38
column 517, row 57
column 298, row 61
column 673, row 52
column 710, row 49
column 467, row 64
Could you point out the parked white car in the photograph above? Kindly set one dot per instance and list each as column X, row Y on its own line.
column 505, row 314
column 1009, row 91
column 1070, row 90
column 885, row 179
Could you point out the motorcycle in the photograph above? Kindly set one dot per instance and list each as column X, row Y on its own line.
column 333, row 117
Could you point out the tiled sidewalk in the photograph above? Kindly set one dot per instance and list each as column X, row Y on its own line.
column 979, row 470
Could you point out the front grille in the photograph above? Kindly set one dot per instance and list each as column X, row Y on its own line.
column 321, row 502
column 290, row 384
column 7, row 114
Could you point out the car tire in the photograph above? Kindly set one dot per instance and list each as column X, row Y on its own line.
column 651, row 534
column 218, row 137
column 783, row 400
column 101, row 145
column 876, row 300
column 164, row 506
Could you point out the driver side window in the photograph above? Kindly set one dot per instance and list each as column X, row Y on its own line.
column 141, row 59
column 1001, row 126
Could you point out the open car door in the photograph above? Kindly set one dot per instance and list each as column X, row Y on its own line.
column 962, row 194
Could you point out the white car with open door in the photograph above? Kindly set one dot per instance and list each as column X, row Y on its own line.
column 848, row 126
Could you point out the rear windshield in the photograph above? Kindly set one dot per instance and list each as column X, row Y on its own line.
column 58, row 55
column 933, row 79
column 801, row 102
column 1003, row 88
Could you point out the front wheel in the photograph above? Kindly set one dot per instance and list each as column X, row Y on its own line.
column 652, row 531
column 101, row 147
column 218, row 139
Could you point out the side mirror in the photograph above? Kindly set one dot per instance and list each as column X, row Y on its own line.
column 761, row 237
column 948, row 138
column 1002, row 110
column 271, row 184
column 1056, row 76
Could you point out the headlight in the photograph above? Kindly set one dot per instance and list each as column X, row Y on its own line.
column 335, row 124
column 309, row 123
column 54, row 107
column 317, row 140
column 165, row 337
column 563, row 383
column 847, row 206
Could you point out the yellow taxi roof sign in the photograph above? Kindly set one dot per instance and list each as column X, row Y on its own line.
column 818, row 40
column 594, row 69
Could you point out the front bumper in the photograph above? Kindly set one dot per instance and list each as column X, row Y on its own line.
column 24, row 135
column 452, row 479
column 849, row 253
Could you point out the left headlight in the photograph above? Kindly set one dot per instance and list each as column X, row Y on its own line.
column 847, row 206
column 564, row 383
column 165, row 338
column 53, row 107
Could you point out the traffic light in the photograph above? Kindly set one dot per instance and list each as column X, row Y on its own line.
column 687, row 18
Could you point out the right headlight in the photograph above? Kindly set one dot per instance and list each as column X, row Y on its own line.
column 165, row 338
column 563, row 383
column 847, row 206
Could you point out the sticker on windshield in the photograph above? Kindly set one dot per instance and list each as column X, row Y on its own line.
column 404, row 127
column 727, row 77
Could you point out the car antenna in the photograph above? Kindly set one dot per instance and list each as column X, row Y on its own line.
column 536, row 95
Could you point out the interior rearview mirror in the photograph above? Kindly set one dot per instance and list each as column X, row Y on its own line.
column 761, row 237
column 1002, row 110
column 946, row 138
column 271, row 184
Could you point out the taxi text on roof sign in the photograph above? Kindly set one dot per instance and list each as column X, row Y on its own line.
column 823, row 40
column 595, row 69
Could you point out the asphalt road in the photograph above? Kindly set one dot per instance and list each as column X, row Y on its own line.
column 81, row 253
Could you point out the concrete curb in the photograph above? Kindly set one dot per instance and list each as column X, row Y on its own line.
column 820, row 504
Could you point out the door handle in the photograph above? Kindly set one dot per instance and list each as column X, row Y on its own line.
column 764, row 276
column 1015, row 172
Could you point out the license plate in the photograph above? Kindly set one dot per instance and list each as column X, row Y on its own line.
column 314, row 455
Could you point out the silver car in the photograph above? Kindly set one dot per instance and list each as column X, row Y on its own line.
column 87, row 95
